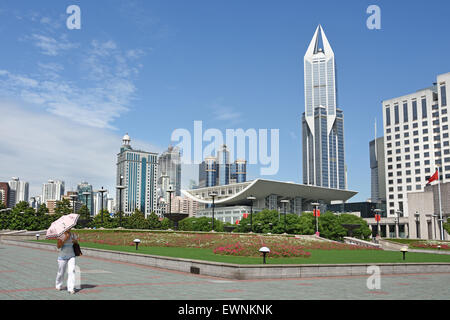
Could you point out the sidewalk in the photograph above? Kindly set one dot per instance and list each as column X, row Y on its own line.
column 29, row 274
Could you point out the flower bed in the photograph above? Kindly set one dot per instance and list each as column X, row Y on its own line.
column 221, row 244
column 430, row 245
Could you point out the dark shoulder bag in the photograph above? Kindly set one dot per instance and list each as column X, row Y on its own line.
column 77, row 250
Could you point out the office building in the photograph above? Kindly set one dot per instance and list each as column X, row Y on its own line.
column 218, row 171
column 137, row 171
column 169, row 165
column 97, row 196
column 424, row 208
column 377, row 171
column 231, row 202
column 18, row 191
column 4, row 194
column 184, row 205
column 74, row 200
column 86, row 196
column 52, row 190
column 416, row 142
column 322, row 121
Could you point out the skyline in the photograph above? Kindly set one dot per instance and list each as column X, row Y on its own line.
column 202, row 65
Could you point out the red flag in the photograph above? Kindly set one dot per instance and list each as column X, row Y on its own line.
column 316, row 212
column 434, row 177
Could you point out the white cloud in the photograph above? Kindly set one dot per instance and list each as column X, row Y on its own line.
column 225, row 113
column 51, row 46
column 38, row 146
column 104, row 92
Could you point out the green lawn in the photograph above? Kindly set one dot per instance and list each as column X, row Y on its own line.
column 317, row 256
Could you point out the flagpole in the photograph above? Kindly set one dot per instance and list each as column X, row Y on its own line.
column 440, row 206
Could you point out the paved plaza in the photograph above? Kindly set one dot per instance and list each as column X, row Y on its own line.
column 29, row 274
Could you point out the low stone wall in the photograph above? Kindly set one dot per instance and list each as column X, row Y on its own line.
column 246, row 272
column 362, row 243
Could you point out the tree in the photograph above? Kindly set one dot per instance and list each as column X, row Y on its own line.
column 22, row 217
column 200, row 224
column 137, row 221
column 108, row 221
column 330, row 227
column 2, row 206
column 447, row 225
column 63, row 207
column 153, row 222
column 363, row 232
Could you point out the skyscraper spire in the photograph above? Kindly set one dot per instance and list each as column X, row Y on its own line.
column 323, row 123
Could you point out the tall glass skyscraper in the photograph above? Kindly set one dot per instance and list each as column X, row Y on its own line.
column 136, row 170
column 218, row 171
column 322, row 121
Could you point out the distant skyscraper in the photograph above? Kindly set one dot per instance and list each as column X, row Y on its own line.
column 52, row 190
column 238, row 171
column 139, row 170
column 377, row 171
column 169, row 164
column 18, row 191
column 85, row 187
column 218, row 171
column 322, row 121
column 4, row 194
column 223, row 166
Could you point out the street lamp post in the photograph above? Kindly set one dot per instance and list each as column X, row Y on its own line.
column 378, row 218
column 417, row 216
column 213, row 195
column 102, row 191
column 251, row 199
column 285, row 203
column 398, row 214
column 316, row 206
column 73, row 197
column 87, row 194
column 170, row 191
column 120, row 187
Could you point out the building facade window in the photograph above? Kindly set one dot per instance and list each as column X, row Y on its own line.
column 388, row 116
column 424, row 108
column 443, row 96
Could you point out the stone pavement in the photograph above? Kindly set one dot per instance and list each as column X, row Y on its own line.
column 29, row 274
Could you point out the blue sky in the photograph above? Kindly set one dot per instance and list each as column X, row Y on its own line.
column 150, row 67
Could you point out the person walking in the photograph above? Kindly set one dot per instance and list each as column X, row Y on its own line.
column 66, row 261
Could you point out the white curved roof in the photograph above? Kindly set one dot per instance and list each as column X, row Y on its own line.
column 261, row 188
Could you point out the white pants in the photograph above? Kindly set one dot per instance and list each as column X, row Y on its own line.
column 62, row 265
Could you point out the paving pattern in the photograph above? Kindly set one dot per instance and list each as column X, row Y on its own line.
column 29, row 274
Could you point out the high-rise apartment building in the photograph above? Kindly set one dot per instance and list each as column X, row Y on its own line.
column 18, row 191
column 52, row 190
column 416, row 132
column 137, row 171
column 322, row 121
